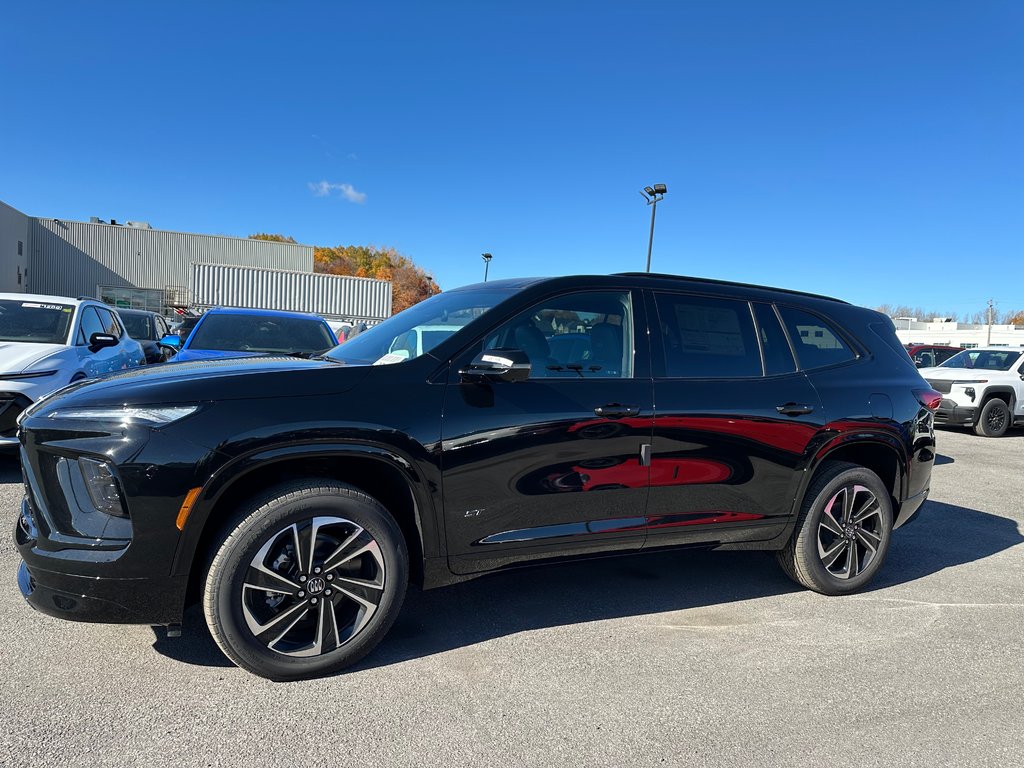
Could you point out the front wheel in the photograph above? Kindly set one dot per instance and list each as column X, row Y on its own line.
column 994, row 419
column 843, row 531
column 307, row 581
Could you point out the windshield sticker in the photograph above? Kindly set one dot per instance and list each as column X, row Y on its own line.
column 30, row 305
column 391, row 358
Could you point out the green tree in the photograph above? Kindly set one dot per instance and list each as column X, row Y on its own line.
column 273, row 238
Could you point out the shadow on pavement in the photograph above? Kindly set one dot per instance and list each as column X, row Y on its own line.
column 944, row 536
column 940, row 460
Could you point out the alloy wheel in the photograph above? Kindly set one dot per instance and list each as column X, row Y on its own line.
column 850, row 532
column 313, row 586
column 995, row 420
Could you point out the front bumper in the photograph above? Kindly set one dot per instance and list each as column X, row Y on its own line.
column 101, row 600
column 952, row 415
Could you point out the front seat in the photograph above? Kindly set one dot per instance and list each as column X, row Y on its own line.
column 606, row 349
column 530, row 340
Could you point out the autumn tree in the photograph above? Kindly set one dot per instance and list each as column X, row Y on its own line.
column 1014, row 317
column 272, row 238
column 409, row 284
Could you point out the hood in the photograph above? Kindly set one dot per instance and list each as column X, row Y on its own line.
column 16, row 356
column 212, row 354
column 950, row 374
column 214, row 380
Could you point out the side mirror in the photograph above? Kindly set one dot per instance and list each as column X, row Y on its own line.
column 497, row 365
column 100, row 341
column 170, row 340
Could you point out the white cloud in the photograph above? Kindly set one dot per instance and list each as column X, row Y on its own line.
column 325, row 188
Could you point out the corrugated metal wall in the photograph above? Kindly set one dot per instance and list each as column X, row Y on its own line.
column 72, row 258
column 349, row 298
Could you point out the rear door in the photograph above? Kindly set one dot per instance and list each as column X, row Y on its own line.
column 733, row 420
column 556, row 464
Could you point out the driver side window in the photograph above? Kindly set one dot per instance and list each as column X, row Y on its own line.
column 576, row 336
column 89, row 325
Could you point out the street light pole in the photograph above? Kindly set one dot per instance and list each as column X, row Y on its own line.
column 487, row 263
column 652, row 195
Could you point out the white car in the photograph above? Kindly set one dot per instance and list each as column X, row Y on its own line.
column 412, row 343
column 47, row 342
column 981, row 388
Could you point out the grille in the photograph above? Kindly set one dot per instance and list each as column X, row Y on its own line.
column 945, row 387
column 11, row 406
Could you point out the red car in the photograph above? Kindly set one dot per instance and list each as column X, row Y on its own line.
column 930, row 355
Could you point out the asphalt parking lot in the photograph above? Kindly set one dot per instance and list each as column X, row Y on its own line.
column 696, row 659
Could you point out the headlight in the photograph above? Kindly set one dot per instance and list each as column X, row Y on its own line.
column 151, row 416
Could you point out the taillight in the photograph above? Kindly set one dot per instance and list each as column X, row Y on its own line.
column 929, row 398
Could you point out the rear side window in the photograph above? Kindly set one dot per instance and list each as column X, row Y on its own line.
column 816, row 342
column 778, row 357
column 707, row 338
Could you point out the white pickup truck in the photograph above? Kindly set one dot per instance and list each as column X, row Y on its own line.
column 981, row 388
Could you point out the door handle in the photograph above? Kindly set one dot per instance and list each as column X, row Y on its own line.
column 616, row 410
column 794, row 409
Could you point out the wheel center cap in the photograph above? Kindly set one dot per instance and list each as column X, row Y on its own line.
column 316, row 585
column 850, row 533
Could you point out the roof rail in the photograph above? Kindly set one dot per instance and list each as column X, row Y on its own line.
column 711, row 281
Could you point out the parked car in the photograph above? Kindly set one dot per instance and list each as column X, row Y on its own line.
column 981, row 388
column 225, row 332
column 47, row 342
column 183, row 327
column 930, row 355
column 151, row 331
column 298, row 497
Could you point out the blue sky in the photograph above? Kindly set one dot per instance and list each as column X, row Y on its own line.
column 869, row 150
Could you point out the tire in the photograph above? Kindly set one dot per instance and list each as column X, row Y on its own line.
column 818, row 556
column 285, row 610
column 994, row 419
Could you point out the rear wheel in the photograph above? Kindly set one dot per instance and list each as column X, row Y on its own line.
column 994, row 419
column 843, row 531
column 307, row 581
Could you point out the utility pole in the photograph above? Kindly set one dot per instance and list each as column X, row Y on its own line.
column 487, row 263
column 988, row 339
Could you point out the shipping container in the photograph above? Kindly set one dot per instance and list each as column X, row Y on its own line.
column 355, row 299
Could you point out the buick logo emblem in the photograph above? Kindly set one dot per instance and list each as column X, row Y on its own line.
column 316, row 585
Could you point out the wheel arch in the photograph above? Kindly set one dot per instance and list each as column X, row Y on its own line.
column 385, row 475
column 881, row 453
column 1007, row 394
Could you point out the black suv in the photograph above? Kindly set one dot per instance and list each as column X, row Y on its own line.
column 503, row 423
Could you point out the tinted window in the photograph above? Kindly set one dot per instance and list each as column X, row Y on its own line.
column 110, row 324
column 817, row 344
column 40, row 323
column 138, row 326
column 581, row 335
column 90, row 324
column 984, row 359
column 778, row 358
column 262, row 333
column 705, row 337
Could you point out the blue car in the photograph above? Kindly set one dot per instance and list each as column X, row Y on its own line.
column 226, row 332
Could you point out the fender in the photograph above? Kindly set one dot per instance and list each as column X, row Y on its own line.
column 839, row 435
column 1000, row 389
column 239, row 467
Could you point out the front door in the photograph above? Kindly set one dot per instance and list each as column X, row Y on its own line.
column 555, row 464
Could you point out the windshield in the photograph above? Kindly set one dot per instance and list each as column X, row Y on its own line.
column 138, row 326
column 419, row 329
column 35, row 322
column 262, row 333
column 987, row 360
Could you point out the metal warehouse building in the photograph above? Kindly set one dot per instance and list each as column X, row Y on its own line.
column 134, row 265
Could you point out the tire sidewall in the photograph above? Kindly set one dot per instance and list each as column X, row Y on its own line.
column 983, row 429
column 808, row 542
column 227, row 574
